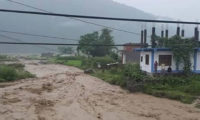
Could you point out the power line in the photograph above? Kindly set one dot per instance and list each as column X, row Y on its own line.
column 26, row 5
column 66, row 44
column 18, row 40
column 100, row 25
column 96, row 17
column 59, row 44
column 10, row 38
column 39, row 35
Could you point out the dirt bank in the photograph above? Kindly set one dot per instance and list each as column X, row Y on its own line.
column 66, row 93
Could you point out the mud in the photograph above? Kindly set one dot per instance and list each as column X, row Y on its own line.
column 66, row 93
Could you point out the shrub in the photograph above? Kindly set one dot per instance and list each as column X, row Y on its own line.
column 7, row 73
column 13, row 72
column 24, row 75
column 3, row 57
column 115, row 79
column 193, row 88
column 17, row 65
column 133, row 73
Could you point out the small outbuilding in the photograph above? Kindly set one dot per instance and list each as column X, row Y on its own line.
column 163, row 59
column 130, row 56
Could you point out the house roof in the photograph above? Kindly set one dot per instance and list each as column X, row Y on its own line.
column 157, row 49
column 133, row 44
column 151, row 49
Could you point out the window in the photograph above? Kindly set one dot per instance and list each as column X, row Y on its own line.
column 141, row 59
column 165, row 59
column 147, row 60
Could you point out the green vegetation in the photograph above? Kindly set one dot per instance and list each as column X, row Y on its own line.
column 6, row 58
column 178, row 91
column 82, row 62
column 95, row 38
column 76, row 63
column 113, row 76
column 13, row 72
column 71, row 60
column 182, row 49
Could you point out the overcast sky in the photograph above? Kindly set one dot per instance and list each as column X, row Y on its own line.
column 177, row 9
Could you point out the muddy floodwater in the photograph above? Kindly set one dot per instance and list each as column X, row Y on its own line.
column 66, row 93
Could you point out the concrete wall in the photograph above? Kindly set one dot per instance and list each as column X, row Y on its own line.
column 198, row 61
column 164, row 53
column 123, row 59
column 130, row 57
column 148, row 68
column 143, row 65
column 181, row 65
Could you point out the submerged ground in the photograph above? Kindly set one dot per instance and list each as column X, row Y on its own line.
column 65, row 93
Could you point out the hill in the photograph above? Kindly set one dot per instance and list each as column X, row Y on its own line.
column 70, row 28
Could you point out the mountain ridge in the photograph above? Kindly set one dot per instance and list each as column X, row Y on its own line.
column 56, row 26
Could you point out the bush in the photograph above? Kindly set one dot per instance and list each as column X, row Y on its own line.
column 115, row 56
column 17, row 65
column 24, row 75
column 3, row 57
column 7, row 73
column 115, row 79
column 13, row 72
column 133, row 73
column 193, row 88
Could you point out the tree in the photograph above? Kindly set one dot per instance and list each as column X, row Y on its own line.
column 104, row 38
column 182, row 49
column 65, row 50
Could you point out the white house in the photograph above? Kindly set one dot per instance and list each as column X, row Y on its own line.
column 164, row 56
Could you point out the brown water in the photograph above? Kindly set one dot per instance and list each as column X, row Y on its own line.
column 66, row 93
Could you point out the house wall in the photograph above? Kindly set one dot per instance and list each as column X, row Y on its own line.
column 143, row 65
column 129, row 55
column 198, row 61
column 148, row 68
column 123, row 58
column 164, row 53
column 181, row 65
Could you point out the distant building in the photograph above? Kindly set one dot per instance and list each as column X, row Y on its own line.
column 165, row 59
column 129, row 55
column 47, row 54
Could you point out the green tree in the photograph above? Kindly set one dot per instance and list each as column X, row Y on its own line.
column 182, row 49
column 103, row 38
